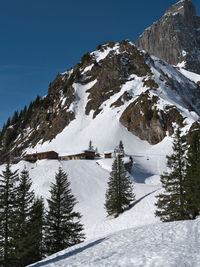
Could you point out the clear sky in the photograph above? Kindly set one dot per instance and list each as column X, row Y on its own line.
column 41, row 38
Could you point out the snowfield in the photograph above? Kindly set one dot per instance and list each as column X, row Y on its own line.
column 174, row 244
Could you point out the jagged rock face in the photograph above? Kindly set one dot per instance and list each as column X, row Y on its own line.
column 114, row 71
column 175, row 37
column 145, row 120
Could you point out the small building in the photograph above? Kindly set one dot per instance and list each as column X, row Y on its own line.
column 86, row 154
column 73, row 156
column 89, row 154
column 108, row 155
column 42, row 155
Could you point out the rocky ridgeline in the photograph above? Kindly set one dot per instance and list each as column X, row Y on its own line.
column 175, row 38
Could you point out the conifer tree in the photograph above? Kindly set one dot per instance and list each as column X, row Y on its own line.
column 171, row 204
column 36, row 227
column 24, row 202
column 192, row 182
column 63, row 228
column 8, row 181
column 90, row 146
column 121, row 148
column 119, row 194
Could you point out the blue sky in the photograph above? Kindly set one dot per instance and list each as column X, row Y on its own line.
column 41, row 38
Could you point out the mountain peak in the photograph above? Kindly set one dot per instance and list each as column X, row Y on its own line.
column 184, row 8
column 175, row 37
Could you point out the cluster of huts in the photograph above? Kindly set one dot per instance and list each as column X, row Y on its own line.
column 86, row 154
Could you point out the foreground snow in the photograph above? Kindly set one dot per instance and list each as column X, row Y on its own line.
column 89, row 183
column 162, row 245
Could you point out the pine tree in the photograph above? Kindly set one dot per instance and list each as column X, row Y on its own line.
column 36, row 227
column 119, row 194
column 63, row 228
column 24, row 202
column 90, row 146
column 121, row 148
column 171, row 204
column 192, row 182
column 8, row 181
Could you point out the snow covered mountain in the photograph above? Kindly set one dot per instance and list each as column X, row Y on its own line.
column 115, row 90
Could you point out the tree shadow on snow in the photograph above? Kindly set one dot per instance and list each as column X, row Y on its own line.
column 69, row 254
column 140, row 199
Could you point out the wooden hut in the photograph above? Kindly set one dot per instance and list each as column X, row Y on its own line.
column 86, row 154
column 42, row 155
column 89, row 154
column 107, row 155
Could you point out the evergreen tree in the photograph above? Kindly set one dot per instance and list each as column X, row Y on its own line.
column 90, row 146
column 36, row 227
column 63, row 228
column 8, row 181
column 15, row 118
column 121, row 148
column 24, row 202
column 171, row 204
column 192, row 182
column 119, row 194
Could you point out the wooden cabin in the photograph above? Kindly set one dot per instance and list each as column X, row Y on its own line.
column 89, row 154
column 73, row 156
column 86, row 154
column 42, row 155
column 107, row 155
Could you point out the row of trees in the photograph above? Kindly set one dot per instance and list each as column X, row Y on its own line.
column 27, row 231
column 180, row 199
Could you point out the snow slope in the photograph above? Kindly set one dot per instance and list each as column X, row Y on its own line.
column 174, row 244
column 190, row 75
column 89, row 183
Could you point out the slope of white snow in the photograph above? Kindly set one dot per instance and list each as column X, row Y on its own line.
column 190, row 75
column 174, row 244
column 89, row 183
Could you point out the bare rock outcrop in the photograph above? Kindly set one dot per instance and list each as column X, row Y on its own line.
column 175, row 38
column 143, row 119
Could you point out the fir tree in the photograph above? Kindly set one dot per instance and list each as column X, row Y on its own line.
column 63, row 228
column 24, row 202
column 171, row 204
column 192, row 182
column 119, row 194
column 8, row 181
column 121, row 148
column 90, row 146
column 36, row 227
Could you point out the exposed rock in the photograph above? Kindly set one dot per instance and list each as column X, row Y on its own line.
column 175, row 37
column 144, row 120
column 114, row 71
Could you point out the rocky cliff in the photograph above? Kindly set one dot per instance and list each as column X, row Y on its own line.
column 175, row 38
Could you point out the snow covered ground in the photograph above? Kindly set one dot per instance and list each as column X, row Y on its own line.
column 174, row 244
column 89, row 183
column 135, row 238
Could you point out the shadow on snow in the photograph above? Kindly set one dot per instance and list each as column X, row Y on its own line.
column 68, row 254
